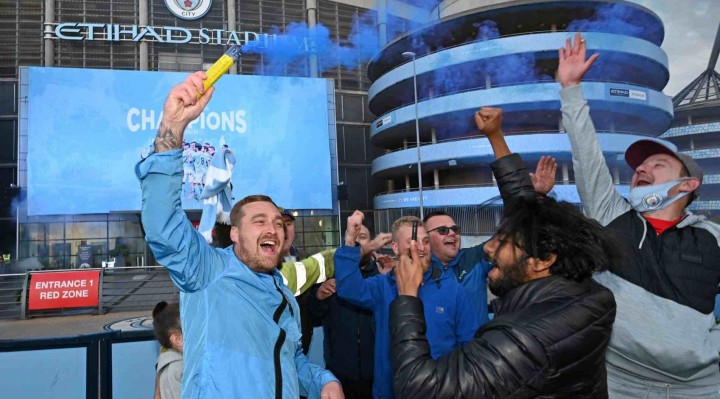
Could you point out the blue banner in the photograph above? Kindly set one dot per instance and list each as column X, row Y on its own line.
column 87, row 129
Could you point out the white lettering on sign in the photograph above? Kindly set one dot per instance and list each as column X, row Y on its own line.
column 75, row 294
column 44, row 285
column 63, row 290
column 226, row 121
column 49, row 295
column 638, row 95
column 82, row 31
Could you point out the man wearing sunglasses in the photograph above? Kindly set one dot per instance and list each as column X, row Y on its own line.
column 469, row 265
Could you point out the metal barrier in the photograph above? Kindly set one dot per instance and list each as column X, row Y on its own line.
column 121, row 289
column 136, row 288
column 11, row 292
column 113, row 364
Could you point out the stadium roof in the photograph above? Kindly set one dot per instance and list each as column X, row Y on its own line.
column 705, row 89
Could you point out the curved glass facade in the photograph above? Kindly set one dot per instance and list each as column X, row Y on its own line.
column 505, row 55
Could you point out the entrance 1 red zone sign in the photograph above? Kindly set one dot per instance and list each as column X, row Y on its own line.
column 64, row 290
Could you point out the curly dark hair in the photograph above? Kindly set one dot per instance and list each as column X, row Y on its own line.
column 541, row 227
column 166, row 321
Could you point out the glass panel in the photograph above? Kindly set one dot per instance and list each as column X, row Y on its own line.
column 53, row 263
column 8, row 148
column 7, row 98
column 319, row 223
column 79, row 230
column 55, row 231
column 125, row 229
column 352, row 108
column 321, row 239
column 354, row 144
column 32, row 231
column 299, row 240
column 33, row 249
column 314, row 250
column 7, row 175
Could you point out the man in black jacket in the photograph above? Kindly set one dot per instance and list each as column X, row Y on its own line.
column 469, row 265
column 349, row 330
column 552, row 323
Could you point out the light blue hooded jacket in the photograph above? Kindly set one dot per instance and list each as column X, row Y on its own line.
column 241, row 329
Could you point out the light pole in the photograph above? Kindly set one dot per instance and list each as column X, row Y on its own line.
column 410, row 54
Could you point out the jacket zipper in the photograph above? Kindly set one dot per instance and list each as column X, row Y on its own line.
column 279, row 343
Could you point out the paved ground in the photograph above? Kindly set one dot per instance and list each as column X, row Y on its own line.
column 66, row 326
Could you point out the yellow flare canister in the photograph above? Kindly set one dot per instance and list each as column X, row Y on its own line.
column 221, row 66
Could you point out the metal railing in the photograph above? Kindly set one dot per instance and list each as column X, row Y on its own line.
column 411, row 145
column 11, row 290
column 558, row 182
column 121, row 289
column 483, row 86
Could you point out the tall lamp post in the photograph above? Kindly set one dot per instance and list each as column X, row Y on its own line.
column 410, row 54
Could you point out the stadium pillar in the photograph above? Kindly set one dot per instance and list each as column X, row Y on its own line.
column 232, row 25
column 144, row 51
column 48, row 41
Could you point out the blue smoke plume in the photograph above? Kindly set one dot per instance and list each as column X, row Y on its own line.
column 620, row 19
column 288, row 52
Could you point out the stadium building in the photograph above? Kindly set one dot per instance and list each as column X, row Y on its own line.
column 146, row 35
column 504, row 54
column 455, row 55
column 696, row 128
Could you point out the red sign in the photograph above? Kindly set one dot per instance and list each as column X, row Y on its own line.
column 76, row 289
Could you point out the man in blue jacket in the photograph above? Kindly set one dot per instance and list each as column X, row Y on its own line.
column 241, row 324
column 469, row 265
column 450, row 318
column 349, row 330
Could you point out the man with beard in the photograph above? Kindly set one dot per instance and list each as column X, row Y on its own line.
column 451, row 320
column 552, row 321
column 665, row 342
column 468, row 265
column 241, row 324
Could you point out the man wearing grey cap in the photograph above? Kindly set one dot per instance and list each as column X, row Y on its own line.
column 665, row 342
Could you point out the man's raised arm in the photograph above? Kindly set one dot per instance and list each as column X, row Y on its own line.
column 349, row 282
column 173, row 240
column 594, row 184
column 509, row 169
column 181, row 107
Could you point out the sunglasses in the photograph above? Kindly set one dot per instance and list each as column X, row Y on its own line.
column 444, row 230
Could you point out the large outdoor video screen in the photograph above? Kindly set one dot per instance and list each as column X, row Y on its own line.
column 87, row 129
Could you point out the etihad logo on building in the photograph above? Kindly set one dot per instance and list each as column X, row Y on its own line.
column 634, row 94
column 189, row 9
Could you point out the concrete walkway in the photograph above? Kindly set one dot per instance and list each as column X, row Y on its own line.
column 72, row 326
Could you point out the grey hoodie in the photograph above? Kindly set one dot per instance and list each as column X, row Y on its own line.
column 170, row 371
column 655, row 340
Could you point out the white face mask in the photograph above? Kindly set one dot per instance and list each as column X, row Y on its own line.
column 655, row 197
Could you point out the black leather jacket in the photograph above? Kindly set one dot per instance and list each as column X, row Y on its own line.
column 547, row 340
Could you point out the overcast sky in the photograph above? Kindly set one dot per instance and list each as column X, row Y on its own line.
column 690, row 29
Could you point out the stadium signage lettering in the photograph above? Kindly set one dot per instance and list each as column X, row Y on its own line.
column 74, row 289
column 226, row 121
column 81, row 31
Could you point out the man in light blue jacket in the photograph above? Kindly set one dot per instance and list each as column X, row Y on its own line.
column 241, row 324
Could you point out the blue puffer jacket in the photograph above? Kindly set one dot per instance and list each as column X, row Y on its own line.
column 241, row 329
column 451, row 320
column 471, row 269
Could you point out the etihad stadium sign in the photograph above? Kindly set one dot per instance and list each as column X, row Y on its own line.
column 83, row 31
